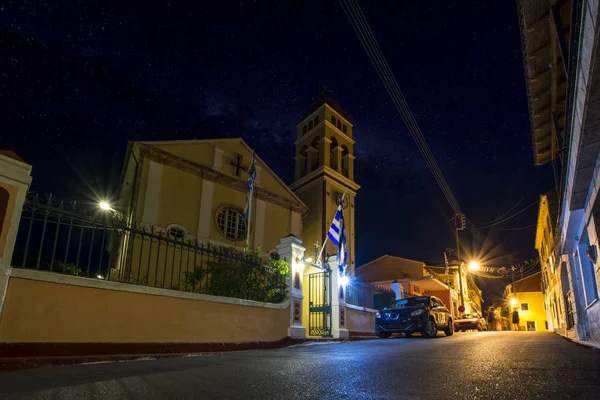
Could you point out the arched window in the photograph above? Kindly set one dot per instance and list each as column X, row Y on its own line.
column 316, row 120
column 231, row 223
column 344, row 129
column 333, row 162
column 176, row 232
column 304, row 152
column 339, row 124
column 316, row 143
column 310, row 125
column 304, row 129
column 345, row 161
column 333, row 120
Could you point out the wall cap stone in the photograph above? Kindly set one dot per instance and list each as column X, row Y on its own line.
column 365, row 309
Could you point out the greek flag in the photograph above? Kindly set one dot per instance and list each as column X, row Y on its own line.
column 337, row 235
column 250, row 187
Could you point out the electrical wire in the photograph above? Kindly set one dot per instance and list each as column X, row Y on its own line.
column 362, row 29
column 508, row 212
column 511, row 217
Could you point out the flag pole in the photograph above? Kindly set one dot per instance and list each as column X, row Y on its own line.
column 318, row 260
column 249, row 218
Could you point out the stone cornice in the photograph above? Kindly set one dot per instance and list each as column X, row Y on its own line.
column 329, row 173
column 166, row 158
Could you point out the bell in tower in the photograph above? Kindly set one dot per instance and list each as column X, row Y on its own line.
column 325, row 170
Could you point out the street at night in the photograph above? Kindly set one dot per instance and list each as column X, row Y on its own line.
column 486, row 365
column 338, row 199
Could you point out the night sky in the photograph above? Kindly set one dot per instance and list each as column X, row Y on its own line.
column 80, row 79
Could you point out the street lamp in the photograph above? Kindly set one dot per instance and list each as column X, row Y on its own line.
column 513, row 302
column 474, row 266
column 104, row 205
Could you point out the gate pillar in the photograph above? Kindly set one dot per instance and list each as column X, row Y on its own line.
column 290, row 249
column 338, row 302
column 15, row 180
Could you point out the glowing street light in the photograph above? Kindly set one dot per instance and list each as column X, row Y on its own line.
column 104, row 205
column 474, row 266
column 513, row 301
column 344, row 281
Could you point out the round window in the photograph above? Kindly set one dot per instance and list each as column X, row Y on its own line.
column 231, row 223
column 176, row 232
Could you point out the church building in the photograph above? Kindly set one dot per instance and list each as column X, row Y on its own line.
column 196, row 189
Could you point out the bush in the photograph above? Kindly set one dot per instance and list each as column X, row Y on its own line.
column 243, row 275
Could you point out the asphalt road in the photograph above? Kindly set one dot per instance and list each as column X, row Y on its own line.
column 487, row 365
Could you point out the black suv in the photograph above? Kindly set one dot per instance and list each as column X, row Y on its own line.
column 426, row 314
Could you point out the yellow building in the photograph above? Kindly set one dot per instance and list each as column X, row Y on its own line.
column 552, row 272
column 195, row 190
column 526, row 296
column 325, row 171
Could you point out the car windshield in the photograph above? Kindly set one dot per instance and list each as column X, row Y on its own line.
column 410, row 302
column 469, row 316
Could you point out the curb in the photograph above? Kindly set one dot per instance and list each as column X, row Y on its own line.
column 16, row 363
column 582, row 343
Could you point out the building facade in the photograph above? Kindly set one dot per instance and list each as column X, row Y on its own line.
column 415, row 278
column 525, row 296
column 560, row 41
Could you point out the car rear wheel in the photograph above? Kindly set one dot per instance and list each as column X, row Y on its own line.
column 383, row 335
column 479, row 328
column 430, row 330
column 449, row 331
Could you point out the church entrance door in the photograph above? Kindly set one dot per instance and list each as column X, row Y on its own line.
column 319, row 304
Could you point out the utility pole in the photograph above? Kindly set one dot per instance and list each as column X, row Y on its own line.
column 459, row 224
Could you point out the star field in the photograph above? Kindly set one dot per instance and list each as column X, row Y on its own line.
column 79, row 80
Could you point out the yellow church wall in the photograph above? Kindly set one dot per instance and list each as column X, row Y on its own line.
column 179, row 199
column 78, row 314
column 277, row 224
column 202, row 154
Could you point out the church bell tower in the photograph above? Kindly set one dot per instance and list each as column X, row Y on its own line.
column 324, row 170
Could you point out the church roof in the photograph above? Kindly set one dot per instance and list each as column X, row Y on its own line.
column 11, row 154
column 321, row 99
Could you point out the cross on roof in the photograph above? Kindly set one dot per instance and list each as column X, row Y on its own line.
column 237, row 165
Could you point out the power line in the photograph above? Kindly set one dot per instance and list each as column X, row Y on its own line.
column 511, row 217
column 508, row 212
column 363, row 31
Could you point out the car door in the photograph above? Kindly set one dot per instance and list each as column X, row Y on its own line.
column 435, row 311
column 443, row 312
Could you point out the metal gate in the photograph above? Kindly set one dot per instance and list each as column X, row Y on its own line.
column 319, row 304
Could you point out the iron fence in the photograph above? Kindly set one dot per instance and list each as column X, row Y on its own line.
column 362, row 294
column 68, row 239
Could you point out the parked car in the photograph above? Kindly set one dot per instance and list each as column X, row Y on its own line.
column 470, row 322
column 426, row 315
